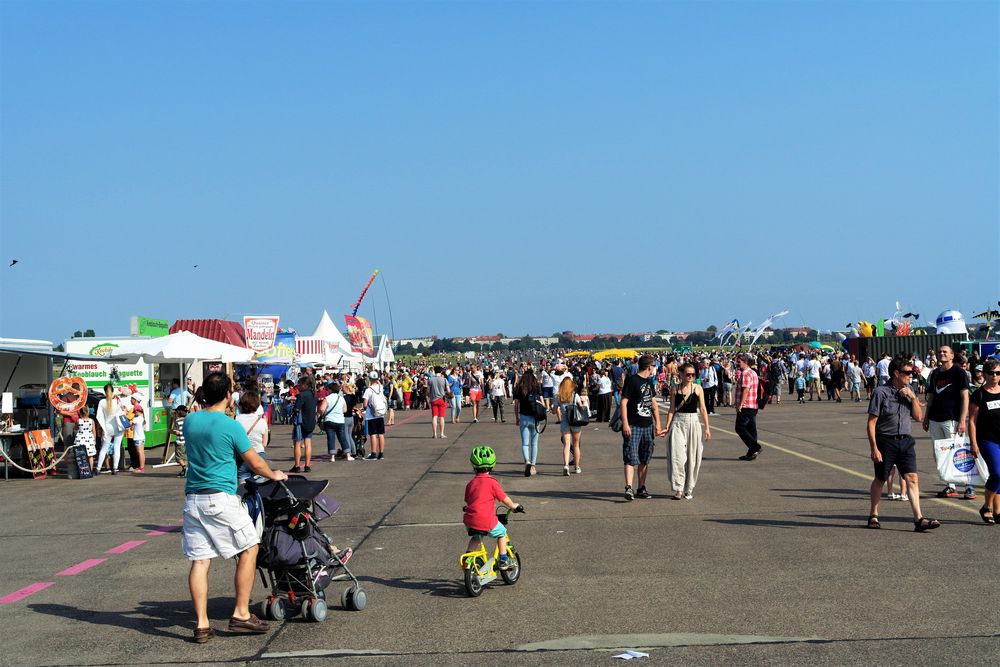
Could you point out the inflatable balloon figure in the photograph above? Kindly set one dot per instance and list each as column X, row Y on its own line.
column 866, row 329
column 951, row 322
column 904, row 328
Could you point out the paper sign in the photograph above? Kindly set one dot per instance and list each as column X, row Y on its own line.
column 260, row 331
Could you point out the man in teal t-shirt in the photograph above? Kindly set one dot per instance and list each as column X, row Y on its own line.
column 215, row 522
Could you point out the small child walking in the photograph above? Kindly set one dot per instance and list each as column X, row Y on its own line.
column 138, row 436
column 180, row 451
column 481, row 496
column 800, row 387
column 86, row 435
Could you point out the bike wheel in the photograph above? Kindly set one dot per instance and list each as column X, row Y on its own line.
column 473, row 585
column 511, row 576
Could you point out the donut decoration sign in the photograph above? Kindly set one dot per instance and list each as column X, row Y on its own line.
column 68, row 395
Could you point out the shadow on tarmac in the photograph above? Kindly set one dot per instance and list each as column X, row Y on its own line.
column 607, row 496
column 441, row 588
column 172, row 619
column 845, row 494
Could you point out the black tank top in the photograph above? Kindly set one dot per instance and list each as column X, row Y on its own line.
column 686, row 403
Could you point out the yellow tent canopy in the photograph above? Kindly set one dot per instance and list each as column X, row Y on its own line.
column 615, row 353
column 578, row 353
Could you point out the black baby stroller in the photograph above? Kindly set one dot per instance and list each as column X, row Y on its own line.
column 295, row 559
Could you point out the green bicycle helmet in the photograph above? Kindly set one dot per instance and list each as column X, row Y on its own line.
column 483, row 456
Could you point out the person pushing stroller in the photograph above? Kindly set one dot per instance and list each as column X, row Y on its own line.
column 480, row 495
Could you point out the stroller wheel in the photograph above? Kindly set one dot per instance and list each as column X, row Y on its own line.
column 354, row 599
column 276, row 609
column 316, row 611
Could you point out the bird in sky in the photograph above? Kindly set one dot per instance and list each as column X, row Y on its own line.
column 12, row 263
column 196, row 266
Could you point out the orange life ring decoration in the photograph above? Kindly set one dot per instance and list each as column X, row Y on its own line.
column 68, row 395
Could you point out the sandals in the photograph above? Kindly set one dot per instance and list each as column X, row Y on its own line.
column 873, row 522
column 923, row 524
column 988, row 520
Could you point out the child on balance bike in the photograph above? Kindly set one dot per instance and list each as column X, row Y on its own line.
column 481, row 494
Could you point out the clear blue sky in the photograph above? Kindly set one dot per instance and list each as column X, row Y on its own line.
column 511, row 167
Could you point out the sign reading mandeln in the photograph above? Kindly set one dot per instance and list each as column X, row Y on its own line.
column 260, row 331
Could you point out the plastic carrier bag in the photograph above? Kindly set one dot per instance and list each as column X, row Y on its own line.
column 956, row 464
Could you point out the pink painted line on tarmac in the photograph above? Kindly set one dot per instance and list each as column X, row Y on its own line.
column 82, row 566
column 17, row 596
column 408, row 419
column 127, row 546
column 163, row 530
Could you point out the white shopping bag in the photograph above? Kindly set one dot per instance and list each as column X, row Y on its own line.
column 955, row 463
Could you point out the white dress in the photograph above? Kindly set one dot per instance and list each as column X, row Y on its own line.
column 86, row 437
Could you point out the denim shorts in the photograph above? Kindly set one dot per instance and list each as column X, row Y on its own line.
column 548, row 392
column 638, row 448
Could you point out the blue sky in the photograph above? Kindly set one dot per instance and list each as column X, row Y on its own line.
column 510, row 167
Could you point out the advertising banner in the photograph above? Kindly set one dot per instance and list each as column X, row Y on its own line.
column 359, row 333
column 260, row 331
column 147, row 326
column 282, row 352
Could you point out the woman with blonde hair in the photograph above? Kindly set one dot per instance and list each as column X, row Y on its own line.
column 686, row 436
column 109, row 416
column 570, row 435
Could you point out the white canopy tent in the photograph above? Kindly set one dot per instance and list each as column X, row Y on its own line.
column 337, row 350
column 383, row 353
column 180, row 348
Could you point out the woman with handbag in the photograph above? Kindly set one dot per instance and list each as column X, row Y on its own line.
column 686, row 436
column 984, row 436
column 251, row 418
column 334, row 410
column 527, row 391
column 573, row 410
column 111, row 418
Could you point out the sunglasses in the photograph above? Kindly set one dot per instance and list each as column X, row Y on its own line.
column 905, row 372
column 992, row 373
column 689, row 375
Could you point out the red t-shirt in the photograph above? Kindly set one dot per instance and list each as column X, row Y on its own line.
column 481, row 496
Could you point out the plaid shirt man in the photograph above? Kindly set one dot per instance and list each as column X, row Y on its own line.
column 747, row 388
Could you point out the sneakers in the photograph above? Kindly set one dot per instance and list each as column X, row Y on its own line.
column 505, row 562
column 970, row 493
column 527, row 470
column 307, row 469
column 349, row 458
column 381, row 455
column 688, row 496
column 643, row 493
column 371, row 457
column 533, row 471
column 333, row 458
column 947, row 492
column 295, row 469
column 576, row 470
column 905, row 498
column 629, row 494
column 894, row 496
column 565, row 471
column 475, row 421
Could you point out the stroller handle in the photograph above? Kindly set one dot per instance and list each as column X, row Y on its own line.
column 291, row 496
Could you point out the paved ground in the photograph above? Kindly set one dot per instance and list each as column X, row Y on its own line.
column 769, row 563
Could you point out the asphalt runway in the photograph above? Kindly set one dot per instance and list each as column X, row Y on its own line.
column 770, row 563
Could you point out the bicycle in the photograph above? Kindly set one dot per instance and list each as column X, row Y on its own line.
column 480, row 570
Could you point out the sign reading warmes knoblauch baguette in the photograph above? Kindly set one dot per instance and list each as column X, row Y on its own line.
column 359, row 333
column 260, row 331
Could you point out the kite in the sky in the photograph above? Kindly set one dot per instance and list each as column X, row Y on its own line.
column 759, row 331
column 12, row 262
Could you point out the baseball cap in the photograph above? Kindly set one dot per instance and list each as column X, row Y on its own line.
column 373, row 375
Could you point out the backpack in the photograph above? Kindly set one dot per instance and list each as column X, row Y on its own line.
column 378, row 404
column 615, row 423
column 762, row 394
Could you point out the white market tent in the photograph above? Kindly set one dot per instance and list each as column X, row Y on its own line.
column 337, row 350
column 383, row 353
column 178, row 348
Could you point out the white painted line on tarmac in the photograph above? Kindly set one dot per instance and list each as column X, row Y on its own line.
column 849, row 471
column 324, row 653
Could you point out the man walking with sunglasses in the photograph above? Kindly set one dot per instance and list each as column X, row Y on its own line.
column 890, row 412
column 948, row 407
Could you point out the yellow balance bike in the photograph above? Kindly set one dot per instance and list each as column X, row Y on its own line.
column 480, row 570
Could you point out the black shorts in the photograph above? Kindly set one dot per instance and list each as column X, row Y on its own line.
column 376, row 426
column 900, row 452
